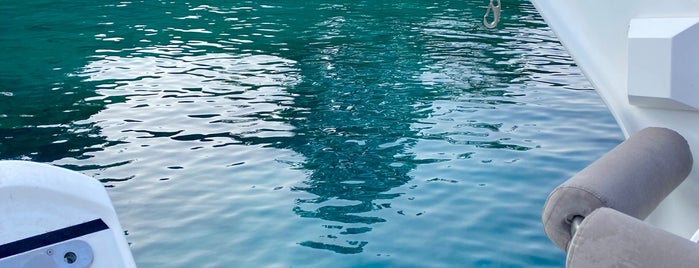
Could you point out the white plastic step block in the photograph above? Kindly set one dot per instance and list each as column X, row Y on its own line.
column 663, row 59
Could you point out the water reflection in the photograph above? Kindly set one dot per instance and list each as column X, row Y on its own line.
column 212, row 100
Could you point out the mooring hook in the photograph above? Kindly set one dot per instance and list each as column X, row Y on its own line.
column 495, row 9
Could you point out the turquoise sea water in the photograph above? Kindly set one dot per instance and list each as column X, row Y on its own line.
column 305, row 133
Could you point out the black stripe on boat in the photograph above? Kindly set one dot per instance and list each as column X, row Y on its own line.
column 53, row 237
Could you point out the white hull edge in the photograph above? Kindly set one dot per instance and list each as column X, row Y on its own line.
column 53, row 217
column 595, row 33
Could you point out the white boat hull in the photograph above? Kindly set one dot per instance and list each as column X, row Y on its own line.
column 596, row 33
column 53, row 217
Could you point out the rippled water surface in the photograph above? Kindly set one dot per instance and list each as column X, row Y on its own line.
column 305, row 133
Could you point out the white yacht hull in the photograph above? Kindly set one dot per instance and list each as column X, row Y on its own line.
column 53, row 217
column 596, row 34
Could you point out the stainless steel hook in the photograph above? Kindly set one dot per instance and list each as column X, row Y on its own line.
column 495, row 9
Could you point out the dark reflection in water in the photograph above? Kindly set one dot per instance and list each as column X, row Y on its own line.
column 353, row 113
column 366, row 82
